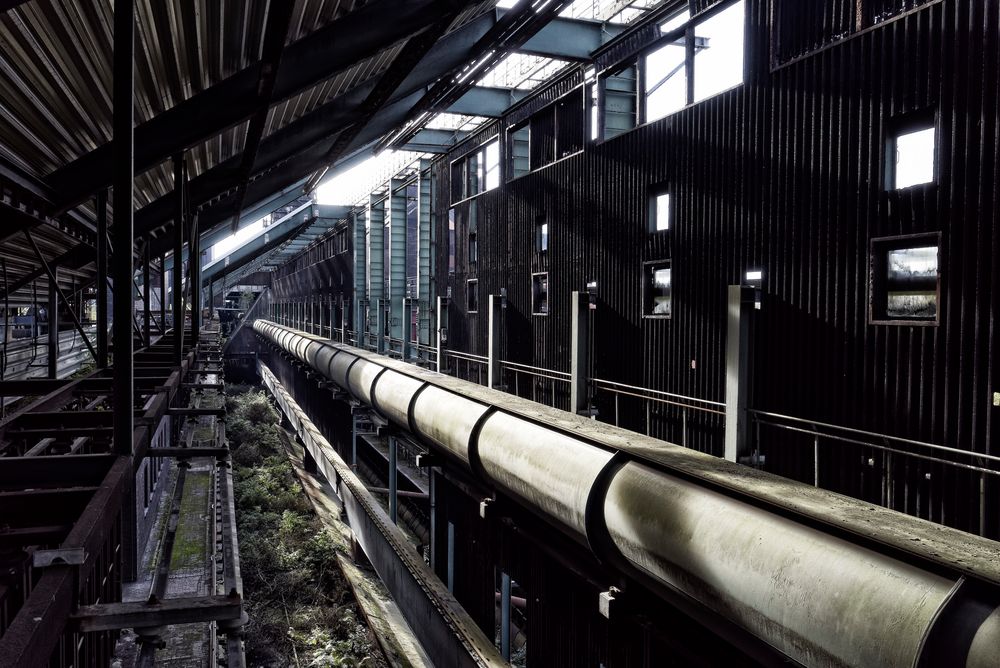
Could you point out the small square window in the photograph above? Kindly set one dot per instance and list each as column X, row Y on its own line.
column 491, row 156
column 540, row 294
column 905, row 279
column 541, row 235
column 472, row 295
column 911, row 157
column 659, row 212
column 657, row 290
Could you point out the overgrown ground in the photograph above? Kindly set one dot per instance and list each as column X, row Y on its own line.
column 302, row 611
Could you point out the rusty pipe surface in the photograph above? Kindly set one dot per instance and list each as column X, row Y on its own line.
column 825, row 579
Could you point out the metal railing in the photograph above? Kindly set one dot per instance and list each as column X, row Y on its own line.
column 894, row 467
column 894, row 464
column 478, row 362
column 650, row 398
column 541, row 379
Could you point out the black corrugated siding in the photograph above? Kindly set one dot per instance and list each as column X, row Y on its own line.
column 783, row 173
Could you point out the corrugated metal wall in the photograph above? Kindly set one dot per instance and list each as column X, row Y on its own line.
column 785, row 174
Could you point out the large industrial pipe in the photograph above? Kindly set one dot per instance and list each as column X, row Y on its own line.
column 825, row 579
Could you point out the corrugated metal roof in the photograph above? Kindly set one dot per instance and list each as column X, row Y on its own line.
column 56, row 81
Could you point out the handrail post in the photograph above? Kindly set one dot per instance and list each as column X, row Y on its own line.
column 579, row 348
column 493, row 353
column 442, row 331
column 741, row 304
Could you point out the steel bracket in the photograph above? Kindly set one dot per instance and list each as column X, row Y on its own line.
column 70, row 556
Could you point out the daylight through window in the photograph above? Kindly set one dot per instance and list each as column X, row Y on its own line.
column 658, row 290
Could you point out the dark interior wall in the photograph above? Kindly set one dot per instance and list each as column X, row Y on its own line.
column 784, row 173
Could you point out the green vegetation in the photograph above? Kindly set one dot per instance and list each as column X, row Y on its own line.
column 302, row 611
column 189, row 541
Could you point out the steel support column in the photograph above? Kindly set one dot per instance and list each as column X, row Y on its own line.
column 102, row 279
column 53, row 318
column 194, row 282
column 380, row 310
column 163, row 294
column 124, row 110
column 397, row 256
column 360, row 252
column 121, row 269
column 425, row 253
column 178, row 270
column 407, row 346
column 147, row 305
column 393, row 480
column 505, row 616
column 375, row 259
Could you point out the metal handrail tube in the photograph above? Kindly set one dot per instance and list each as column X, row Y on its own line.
column 899, row 439
column 466, row 356
column 561, row 375
column 884, row 448
column 600, row 381
column 712, row 411
column 822, row 578
column 535, row 374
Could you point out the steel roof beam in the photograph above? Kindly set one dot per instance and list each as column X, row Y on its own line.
column 434, row 141
column 397, row 72
column 279, row 16
column 571, row 39
column 511, row 31
column 268, row 239
column 315, row 128
column 487, row 102
column 358, row 35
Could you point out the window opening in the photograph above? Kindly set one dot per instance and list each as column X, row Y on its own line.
column 541, row 235
column 451, row 241
column 472, row 295
column 492, row 158
column 665, row 80
column 476, row 172
column 694, row 62
column 905, row 279
column 519, row 150
column 620, row 101
column 718, row 53
column 912, row 157
column 540, row 294
column 658, row 290
column 659, row 212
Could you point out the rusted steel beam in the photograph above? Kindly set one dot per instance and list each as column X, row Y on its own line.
column 30, row 388
column 188, row 452
column 69, row 430
column 196, row 411
column 53, row 471
column 33, row 507
column 39, row 535
column 194, row 610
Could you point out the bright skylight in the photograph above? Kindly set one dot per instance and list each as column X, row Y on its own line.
column 519, row 70
column 446, row 121
column 354, row 185
column 234, row 241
